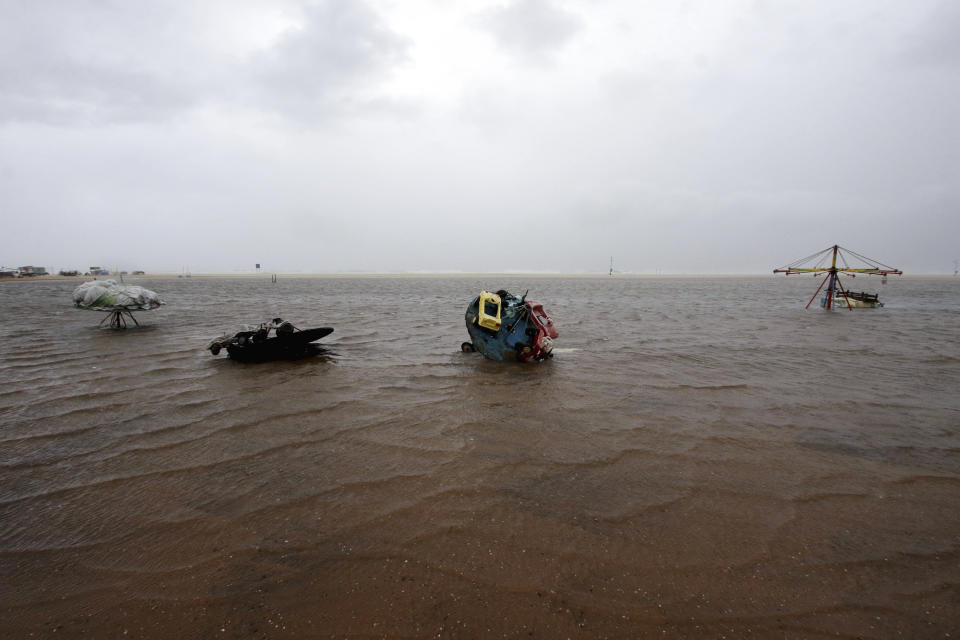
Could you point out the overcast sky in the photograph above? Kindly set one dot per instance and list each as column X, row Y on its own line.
column 705, row 136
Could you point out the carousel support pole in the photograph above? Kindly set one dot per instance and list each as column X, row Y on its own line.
column 833, row 279
column 823, row 282
column 117, row 321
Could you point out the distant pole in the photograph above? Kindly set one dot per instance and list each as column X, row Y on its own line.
column 611, row 265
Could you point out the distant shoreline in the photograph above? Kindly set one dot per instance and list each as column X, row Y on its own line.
column 347, row 276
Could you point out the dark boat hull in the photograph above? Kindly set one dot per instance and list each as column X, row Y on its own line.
column 283, row 347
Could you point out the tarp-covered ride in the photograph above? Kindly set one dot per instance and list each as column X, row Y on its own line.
column 256, row 344
column 117, row 300
column 503, row 326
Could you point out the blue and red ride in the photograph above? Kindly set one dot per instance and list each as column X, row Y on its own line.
column 506, row 327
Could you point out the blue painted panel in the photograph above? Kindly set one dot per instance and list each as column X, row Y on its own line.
column 513, row 335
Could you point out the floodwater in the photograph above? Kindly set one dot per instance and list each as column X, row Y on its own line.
column 702, row 458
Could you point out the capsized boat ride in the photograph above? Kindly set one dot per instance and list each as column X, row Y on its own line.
column 505, row 327
column 255, row 343
column 835, row 295
column 118, row 300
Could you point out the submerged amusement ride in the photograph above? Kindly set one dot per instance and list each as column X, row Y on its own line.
column 117, row 300
column 503, row 326
column 845, row 262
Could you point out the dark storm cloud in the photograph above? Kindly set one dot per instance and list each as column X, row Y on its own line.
column 531, row 28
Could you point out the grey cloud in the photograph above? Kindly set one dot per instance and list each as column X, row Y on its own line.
column 766, row 133
column 332, row 63
column 87, row 62
column 93, row 62
column 531, row 28
column 75, row 93
column 936, row 41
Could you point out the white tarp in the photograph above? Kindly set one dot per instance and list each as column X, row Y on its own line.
column 107, row 295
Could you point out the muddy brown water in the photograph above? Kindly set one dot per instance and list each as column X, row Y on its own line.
column 702, row 458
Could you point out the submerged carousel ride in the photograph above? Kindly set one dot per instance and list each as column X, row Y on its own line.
column 119, row 301
column 506, row 327
column 851, row 264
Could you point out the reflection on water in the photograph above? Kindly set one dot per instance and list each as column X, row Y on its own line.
column 701, row 457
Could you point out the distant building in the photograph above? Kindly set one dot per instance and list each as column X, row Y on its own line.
column 32, row 271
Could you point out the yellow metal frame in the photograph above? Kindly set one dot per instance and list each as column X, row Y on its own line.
column 484, row 319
